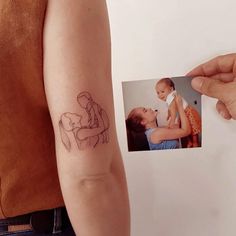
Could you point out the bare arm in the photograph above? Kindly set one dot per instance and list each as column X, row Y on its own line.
column 90, row 132
column 172, row 114
column 77, row 59
column 161, row 134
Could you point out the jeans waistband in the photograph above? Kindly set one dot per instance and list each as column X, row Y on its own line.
column 47, row 221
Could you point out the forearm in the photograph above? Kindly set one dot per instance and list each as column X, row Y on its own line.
column 185, row 126
column 98, row 204
column 96, row 201
column 94, row 187
column 172, row 122
column 173, row 114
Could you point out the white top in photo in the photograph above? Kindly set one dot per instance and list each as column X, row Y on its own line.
column 171, row 97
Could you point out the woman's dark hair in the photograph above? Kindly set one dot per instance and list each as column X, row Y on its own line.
column 168, row 81
column 133, row 122
column 137, row 140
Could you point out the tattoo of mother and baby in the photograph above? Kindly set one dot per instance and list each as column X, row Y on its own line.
column 86, row 129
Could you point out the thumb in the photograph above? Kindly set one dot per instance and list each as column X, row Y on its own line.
column 210, row 87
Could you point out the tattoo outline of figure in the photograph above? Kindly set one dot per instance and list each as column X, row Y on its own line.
column 85, row 136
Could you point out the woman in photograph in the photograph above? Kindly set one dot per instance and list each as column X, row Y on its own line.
column 141, row 119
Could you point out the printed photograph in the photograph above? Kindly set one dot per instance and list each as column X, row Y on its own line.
column 162, row 114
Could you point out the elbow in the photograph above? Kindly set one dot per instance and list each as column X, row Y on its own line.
column 95, row 184
column 188, row 131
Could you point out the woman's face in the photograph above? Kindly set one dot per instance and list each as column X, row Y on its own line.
column 147, row 114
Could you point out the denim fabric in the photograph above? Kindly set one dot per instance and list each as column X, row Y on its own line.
column 61, row 223
column 66, row 232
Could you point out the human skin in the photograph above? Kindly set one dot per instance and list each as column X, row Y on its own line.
column 217, row 78
column 162, row 133
column 77, row 58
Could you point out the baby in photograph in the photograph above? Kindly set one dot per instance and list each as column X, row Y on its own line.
column 165, row 89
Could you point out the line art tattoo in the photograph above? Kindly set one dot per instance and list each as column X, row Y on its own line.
column 88, row 135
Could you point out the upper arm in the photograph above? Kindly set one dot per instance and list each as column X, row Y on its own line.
column 77, row 66
column 161, row 134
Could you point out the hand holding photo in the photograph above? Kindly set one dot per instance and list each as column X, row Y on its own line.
column 174, row 121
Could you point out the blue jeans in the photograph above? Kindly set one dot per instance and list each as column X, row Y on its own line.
column 60, row 224
column 67, row 232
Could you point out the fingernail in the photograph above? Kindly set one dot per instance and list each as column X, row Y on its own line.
column 223, row 114
column 197, row 83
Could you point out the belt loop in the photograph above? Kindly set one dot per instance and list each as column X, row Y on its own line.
column 57, row 227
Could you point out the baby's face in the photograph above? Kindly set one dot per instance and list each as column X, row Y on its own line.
column 163, row 90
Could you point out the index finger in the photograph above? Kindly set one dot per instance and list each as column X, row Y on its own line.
column 220, row 64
